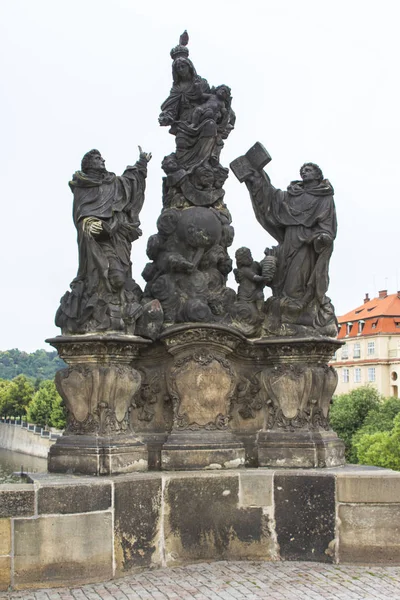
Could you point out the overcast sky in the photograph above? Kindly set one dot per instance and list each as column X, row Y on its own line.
column 312, row 80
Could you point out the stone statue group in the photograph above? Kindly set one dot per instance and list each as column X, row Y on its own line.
column 186, row 276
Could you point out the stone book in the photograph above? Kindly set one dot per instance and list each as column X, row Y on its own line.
column 255, row 159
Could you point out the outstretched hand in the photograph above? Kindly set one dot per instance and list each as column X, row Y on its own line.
column 145, row 155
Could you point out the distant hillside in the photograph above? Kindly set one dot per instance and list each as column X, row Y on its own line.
column 38, row 365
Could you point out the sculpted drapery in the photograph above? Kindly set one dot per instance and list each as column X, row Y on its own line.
column 106, row 215
column 303, row 221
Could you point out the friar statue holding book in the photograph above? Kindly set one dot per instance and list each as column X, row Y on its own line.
column 303, row 221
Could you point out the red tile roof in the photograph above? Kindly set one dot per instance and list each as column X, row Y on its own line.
column 381, row 315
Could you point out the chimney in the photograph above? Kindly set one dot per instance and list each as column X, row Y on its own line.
column 366, row 299
column 383, row 294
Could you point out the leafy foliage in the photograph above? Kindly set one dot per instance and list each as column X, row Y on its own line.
column 381, row 449
column 38, row 365
column 46, row 407
column 348, row 415
column 4, row 386
column 15, row 396
column 382, row 417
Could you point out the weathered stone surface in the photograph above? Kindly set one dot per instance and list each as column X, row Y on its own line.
column 299, row 448
column 104, row 296
column 137, row 503
column 205, row 450
column 203, row 383
column 5, row 536
column 189, row 253
column 88, row 455
column 98, row 396
column 369, row 533
column 304, row 225
column 304, row 515
column 378, row 486
column 202, row 521
column 67, row 549
column 5, row 572
column 124, row 460
column 17, row 500
column 71, row 498
column 65, row 458
column 255, row 488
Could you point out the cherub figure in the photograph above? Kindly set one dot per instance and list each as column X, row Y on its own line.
column 216, row 106
column 248, row 276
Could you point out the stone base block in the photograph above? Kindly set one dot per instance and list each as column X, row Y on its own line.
column 300, row 449
column 202, row 450
column 86, row 455
column 56, row 550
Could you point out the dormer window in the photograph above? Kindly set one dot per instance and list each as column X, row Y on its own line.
column 361, row 326
column 348, row 327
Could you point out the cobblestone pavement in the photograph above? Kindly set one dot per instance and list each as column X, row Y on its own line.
column 237, row 580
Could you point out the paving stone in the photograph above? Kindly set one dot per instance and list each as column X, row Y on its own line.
column 223, row 580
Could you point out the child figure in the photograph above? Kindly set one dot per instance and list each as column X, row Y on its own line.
column 248, row 276
column 215, row 107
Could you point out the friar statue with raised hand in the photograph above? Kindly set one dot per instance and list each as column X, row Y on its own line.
column 106, row 210
column 303, row 221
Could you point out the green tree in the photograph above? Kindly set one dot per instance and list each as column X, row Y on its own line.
column 381, row 449
column 17, row 396
column 58, row 415
column 348, row 414
column 39, row 364
column 381, row 417
column 4, row 385
column 46, row 407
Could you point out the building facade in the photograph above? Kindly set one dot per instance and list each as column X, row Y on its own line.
column 371, row 354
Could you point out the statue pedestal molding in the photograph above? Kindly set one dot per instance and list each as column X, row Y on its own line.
column 201, row 382
column 299, row 449
column 98, row 388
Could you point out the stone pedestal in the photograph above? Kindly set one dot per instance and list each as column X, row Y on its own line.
column 202, row 397
column 298, row 386
column 98, row 388
column 201, row 382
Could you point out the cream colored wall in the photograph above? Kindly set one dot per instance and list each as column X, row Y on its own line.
column 386, row 347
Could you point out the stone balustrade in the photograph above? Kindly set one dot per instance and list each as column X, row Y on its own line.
column 102, row 528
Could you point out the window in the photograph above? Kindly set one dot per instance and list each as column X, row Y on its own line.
column 374, row 324
column 345, row 352
column 346, row 375
column 357, row 375
column 349, row 325
column 371, row 373
column 371, row 348
column 357, row 351
column 361, row 326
